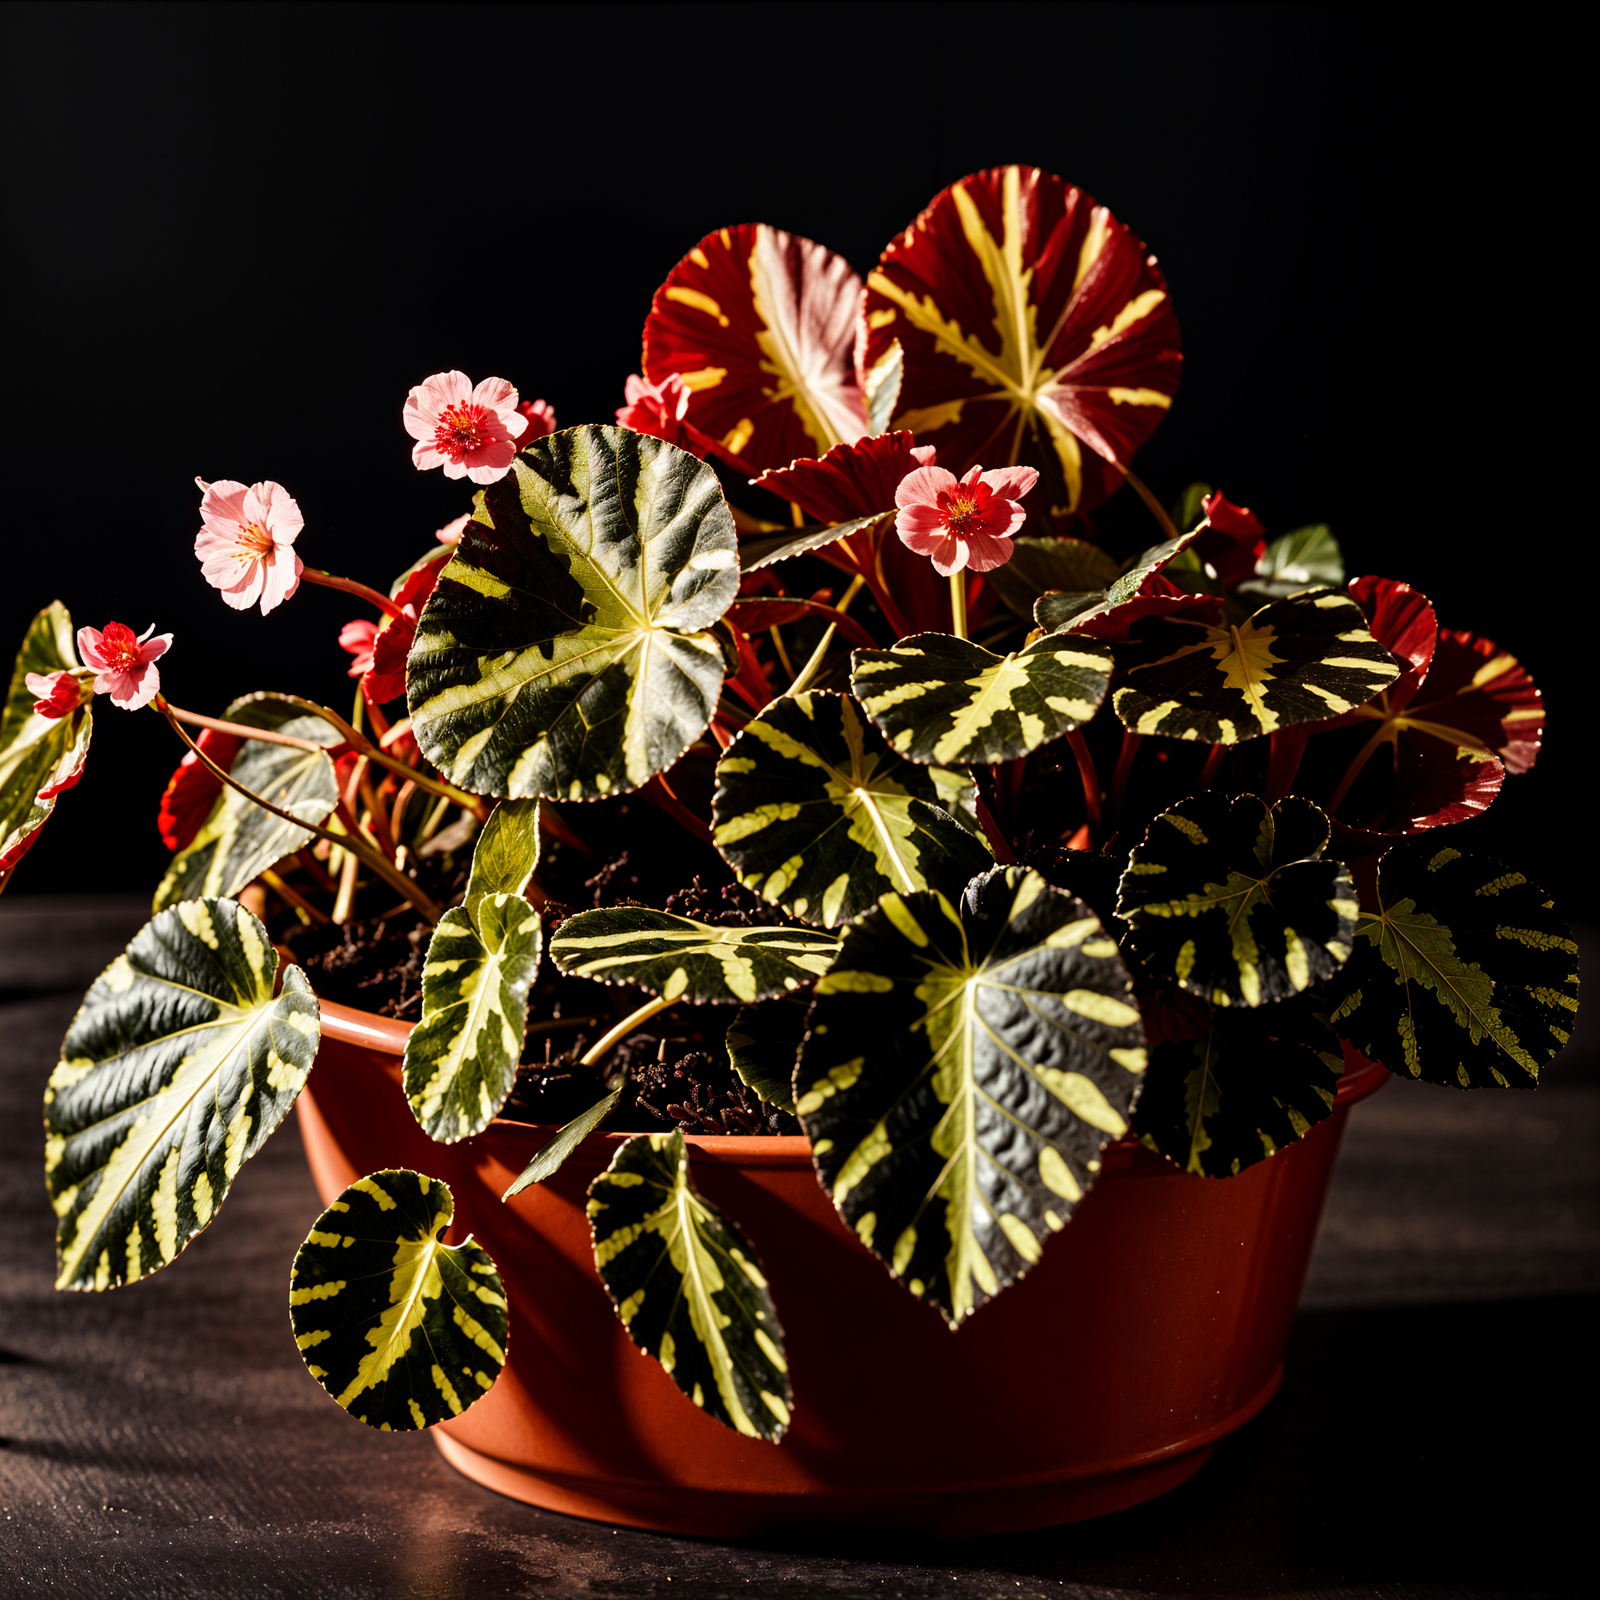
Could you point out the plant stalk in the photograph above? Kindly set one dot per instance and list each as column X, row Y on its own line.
column 958, row 603
column 1091, row 779
column 1157, row 509
column 814, row 664
column 634, row 1020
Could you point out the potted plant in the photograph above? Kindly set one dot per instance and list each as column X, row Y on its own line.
column 843, row 832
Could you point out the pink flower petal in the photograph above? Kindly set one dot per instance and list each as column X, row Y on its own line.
column 986, row 551
column 282, row 578
column 923, row 486
column 499, row 396
column 1011, row 483
column 89, row 648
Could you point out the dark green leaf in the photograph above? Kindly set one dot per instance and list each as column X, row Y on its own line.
column 1040, row 566
column 1464, row 975
column 1301, row 659
column 816, row 813
column 1229, row 900
column 551, row 1155
column 1295, row 561
column 1252, row 1083
column 400, row 1328
column 239, row 841
column 564, row 652
column 681, row 959
column 174, row 1071
column 963, row 1072
column 461, row 1058
column 945, row 700
column 763, row 1044
column 688, row 1287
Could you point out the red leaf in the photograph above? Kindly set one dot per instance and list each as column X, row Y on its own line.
column 1474, row 688
column 1035, row 327
column 192, row 789
column 1233, row 542
column 850, row 481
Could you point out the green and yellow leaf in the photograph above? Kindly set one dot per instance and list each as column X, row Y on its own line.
column 1417, row 993
column 461, row 1058
column 565, row 651
column 174, row 1071
column 1301, row 659
column 1231, row 901
column 816, row 813
column 964, row 1069
column 948, row 701
column 402, row 1329
column 688, row 1287
column 1252, row 1083
column 507, row 853
column 239, row 841
column 39, row 756
column 678, row 958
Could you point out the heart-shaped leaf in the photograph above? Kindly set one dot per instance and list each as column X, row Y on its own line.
column 174, row 1071
column 947, row 700
column 402, row 1329
column 1252, row 1083
column 759, row 325
column 678, row 958
column 688, row 1286
column 1464, row 975
column 1139, row 590
column 1229, row 900
column 1301, row 659
column 816, row 813
column 1033, row 325
column 963, row 1071
column 40, row 757
column 563, row 652
column 461, row 1058
column 238, row 841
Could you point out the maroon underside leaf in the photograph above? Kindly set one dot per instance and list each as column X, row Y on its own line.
column 1231, row 540
column 1477, row 689
column 758, row 324
column 1035, row 328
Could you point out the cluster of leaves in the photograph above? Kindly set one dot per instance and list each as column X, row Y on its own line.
column 1090, row 847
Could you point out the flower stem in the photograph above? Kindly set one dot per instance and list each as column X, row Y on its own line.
column 1286, row 746
column 958, row 604
column 1091, row 779
column 657, row 792
column 242, row 730
column 634, row 1019
column 814, row 664
column 1003, row 853
column 1156, row 507
column 386, row 870
column 350, row 586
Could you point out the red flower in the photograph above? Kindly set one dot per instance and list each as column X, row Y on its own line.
column 124, row 664
column 962, row 522
column 60, row 693
column 192, row 790
column 540, row 419
column 380, row 648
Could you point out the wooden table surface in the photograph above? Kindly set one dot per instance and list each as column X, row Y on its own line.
column 1428, row 1441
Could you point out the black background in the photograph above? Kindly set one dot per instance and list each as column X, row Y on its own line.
column 239, row 234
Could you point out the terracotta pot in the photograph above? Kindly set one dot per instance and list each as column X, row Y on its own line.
column 1153, row 1326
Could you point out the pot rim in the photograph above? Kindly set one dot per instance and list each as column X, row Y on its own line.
column 387, row 1036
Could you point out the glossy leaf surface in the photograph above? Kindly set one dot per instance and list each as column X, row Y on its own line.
column 964, row 1069
column 1036, row 330
column 1252, row 1083
column 688, row 1287
column 1300, row 659
column 40, row 757
column 1044, row 566
column 238, row 841
column 461, row 1058
column 402, row 1329
column 948, row 701
column 174, row 1071
column 816, row 813
column 563, row 652
column 678, row 958
column 1464, row 975
column 1229, row 900
column 506, row 854
column 759, row 325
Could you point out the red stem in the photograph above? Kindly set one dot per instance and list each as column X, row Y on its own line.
column 1091, row 778
column 1287, row 746
column 658, row 794
column 1119, row 779
column 1209, row 770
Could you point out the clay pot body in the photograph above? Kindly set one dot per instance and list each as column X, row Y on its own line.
column 1153, row 1326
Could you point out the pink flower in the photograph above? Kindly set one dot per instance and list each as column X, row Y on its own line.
column 469, row 432
column 60, row 693
column 660, row 409
column 244, row 545
column 965, row 522
column 451, row 532
column 124, row 666
column 357, row 638
column 540, row 419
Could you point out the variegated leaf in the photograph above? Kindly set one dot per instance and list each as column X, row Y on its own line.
column 461, row 1058
column 174, row 1071
column 238, row 841
column 506, row 854
column 563, row 652
column 678, row 958
column 1300, row 659
column 1464, row 975
column 40, row 757
column 1252, row 1083
column 1036, row 329
column 759, row 325
column 688, row 1287
column 1229, row 899
column 817, row 814
column 947, row 700
column 963, row 1071
column 402, row 1329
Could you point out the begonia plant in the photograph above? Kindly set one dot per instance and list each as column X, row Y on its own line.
column 845, row 742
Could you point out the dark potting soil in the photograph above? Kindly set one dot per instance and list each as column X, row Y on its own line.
column 676, row 1066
